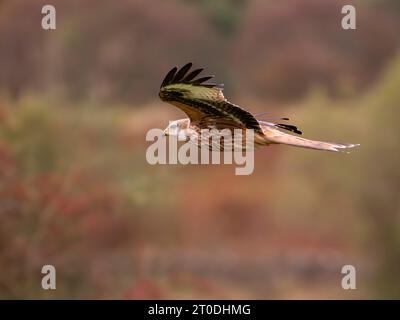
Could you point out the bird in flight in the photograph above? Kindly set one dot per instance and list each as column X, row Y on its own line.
column 207, row 108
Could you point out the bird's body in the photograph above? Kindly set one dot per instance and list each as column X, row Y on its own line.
column 209, row 111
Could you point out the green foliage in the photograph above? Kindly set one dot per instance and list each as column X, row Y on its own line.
column 33, row 135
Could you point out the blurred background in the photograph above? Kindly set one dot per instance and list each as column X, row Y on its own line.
column 76, row 191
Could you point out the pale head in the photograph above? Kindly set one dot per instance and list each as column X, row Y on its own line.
column 178, row 128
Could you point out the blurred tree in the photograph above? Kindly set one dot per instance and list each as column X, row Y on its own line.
column 286, row 48
column 354, row 197
column 224, row 14
column 120, row 51
column 380, row 180
column 112, row 51
column 21, row 43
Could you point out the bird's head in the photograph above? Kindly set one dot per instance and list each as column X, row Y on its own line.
column 177, row 128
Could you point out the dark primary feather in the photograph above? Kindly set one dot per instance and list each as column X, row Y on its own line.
column 182, row 72
column 288, row 127
column 192, row 75
column 182, row 76
column 275, row 118
column 168, row 78
column 201, row 80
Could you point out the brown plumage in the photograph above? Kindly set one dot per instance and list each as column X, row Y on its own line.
column 207, row 108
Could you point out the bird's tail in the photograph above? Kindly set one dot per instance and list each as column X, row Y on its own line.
column 273, row 135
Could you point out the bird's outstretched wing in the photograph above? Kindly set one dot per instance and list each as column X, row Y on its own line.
column 203, row 102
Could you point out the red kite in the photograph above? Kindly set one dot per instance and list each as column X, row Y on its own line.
column 207, row 108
